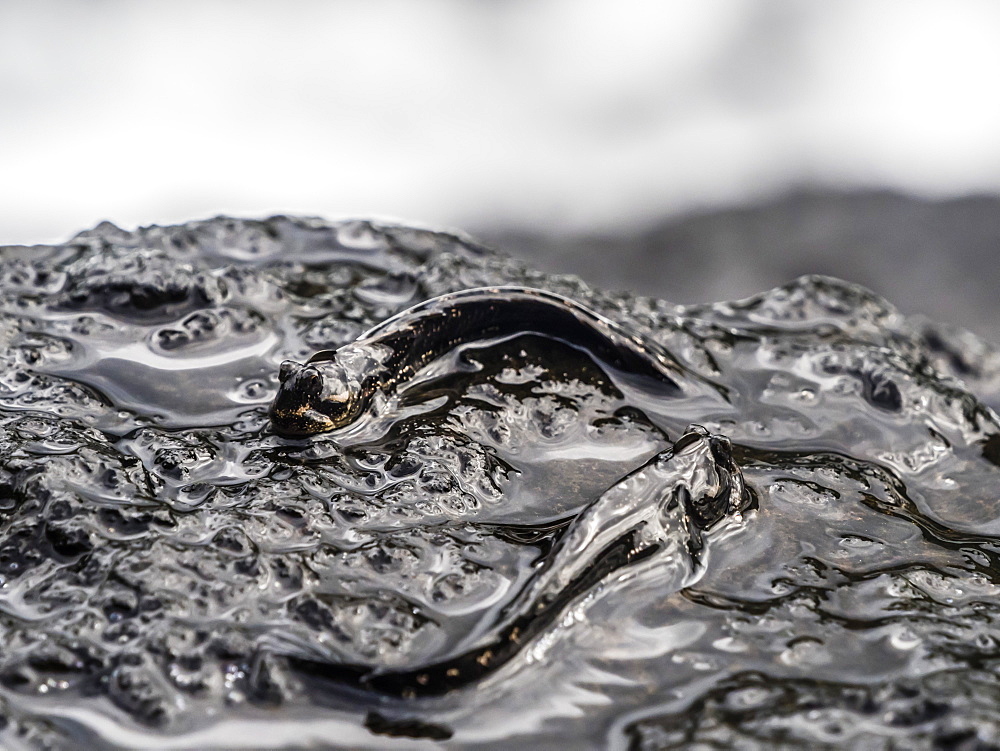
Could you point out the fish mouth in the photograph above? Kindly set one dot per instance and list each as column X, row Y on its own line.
column 301, row 422
column 291, row 417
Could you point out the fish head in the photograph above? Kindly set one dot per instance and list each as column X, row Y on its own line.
column 314, row 398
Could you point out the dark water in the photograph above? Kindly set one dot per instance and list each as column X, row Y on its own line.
column 166, row 561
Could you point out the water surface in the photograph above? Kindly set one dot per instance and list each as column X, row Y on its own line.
column 164, row 556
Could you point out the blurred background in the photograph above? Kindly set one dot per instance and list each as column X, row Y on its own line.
column 693, row 150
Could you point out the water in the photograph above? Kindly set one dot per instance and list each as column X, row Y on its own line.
column 168, row 565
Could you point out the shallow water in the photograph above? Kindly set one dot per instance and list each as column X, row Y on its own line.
column 167, row 562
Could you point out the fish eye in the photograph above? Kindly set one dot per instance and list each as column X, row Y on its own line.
column 722, row 449
column 308, row 383
column 288, row 367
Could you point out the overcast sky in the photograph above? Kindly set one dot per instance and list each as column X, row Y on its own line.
column 566, row 114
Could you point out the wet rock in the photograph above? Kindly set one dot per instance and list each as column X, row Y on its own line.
column 166, row 560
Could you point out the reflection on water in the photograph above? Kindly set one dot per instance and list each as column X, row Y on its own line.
column 168, row 565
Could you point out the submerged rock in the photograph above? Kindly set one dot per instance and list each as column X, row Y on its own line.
column 168, row 563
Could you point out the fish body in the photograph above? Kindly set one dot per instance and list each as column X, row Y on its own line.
column 334, row 387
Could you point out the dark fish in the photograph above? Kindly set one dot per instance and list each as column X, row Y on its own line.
column 336, row 386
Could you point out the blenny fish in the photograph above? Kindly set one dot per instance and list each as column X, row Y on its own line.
column 334, row 387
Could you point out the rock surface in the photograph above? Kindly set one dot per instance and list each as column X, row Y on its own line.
column 164, row 555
